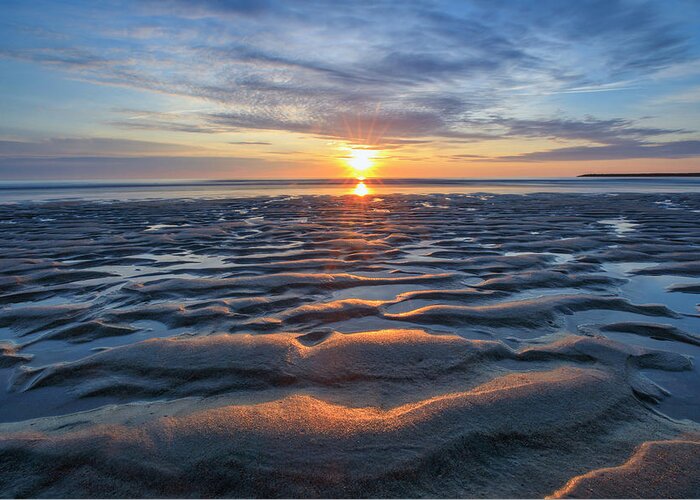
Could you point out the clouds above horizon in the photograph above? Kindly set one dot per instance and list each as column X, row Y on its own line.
column 386, row 74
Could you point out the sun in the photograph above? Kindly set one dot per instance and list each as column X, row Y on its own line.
column 361, row 161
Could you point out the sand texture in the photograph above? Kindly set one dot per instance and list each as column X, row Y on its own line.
column 338, row 346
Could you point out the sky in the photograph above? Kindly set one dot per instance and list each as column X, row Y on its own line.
column 221, row 89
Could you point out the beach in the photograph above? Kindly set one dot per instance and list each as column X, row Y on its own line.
column 390, row 345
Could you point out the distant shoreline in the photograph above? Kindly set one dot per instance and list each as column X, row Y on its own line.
column 677, row 174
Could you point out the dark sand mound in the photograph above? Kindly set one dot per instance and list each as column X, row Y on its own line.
column 311, row 445
column 386, row 360
column 91, row 330
column 564, row 245
column 658, row 469
column 190, row 366
column 410, row 346
column 614, row 354
column 529, row 313
column 272, row 283
column 653, row 330
column 9, row 355
column 628, row 361
column 338, row 310
column 548, row 279
column 468, row 295
column 677, row 269
column 683, row 288
column 32, row 319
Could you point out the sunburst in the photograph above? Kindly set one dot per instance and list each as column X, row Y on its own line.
column 361, row 161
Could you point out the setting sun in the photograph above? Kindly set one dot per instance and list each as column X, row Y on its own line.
column 360, row 161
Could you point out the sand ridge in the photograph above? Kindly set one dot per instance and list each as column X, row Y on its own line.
column 321, row 346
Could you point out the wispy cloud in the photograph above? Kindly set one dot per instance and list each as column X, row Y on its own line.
column 87, row 146
column 251, row 143
column 621, row 151
column 138, row 167
column 589, row 129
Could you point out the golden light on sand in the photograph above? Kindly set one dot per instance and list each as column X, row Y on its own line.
column 361, row 161
column 361, row 189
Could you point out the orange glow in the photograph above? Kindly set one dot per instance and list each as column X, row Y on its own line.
column 361, row 189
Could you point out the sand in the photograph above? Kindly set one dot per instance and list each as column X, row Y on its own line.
column 337, row 346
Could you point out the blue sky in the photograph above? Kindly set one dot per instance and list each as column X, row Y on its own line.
column 251, row 89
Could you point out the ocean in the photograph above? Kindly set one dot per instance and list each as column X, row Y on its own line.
column 26, row 191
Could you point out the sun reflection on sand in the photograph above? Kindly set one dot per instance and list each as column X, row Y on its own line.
column 361, row 189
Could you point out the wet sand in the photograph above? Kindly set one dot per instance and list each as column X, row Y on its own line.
column 336, row 346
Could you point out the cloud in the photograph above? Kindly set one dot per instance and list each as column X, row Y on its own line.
column 465, row 156
column 171, row 121
column 191, row 128
column 72, row 58
column 143, row 167
column 589, row 129
column 210, row 7
column 629, row 150
column 251, row 143
column 292, row 66
column 367, row 128
column 614, row 139
column 690, row 96
column 57, row 147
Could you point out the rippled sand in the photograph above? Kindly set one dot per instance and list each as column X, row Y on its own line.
column 440, row 346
